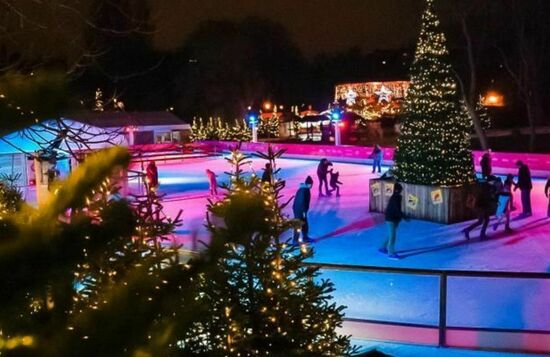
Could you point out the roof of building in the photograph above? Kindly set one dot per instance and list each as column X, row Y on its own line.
column 111, row 119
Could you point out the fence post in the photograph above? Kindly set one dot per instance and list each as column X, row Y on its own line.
column 442, row 309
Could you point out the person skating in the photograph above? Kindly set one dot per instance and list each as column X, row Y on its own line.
column 322, row 171
column 484, row 208
column 334, row 182
column 212, row 181
column 486, row 164
column 546, row 191
column 393, row 216
column 152, row 176
column 376, row 155
column 503, row 206
column 268, row 173
column 300, row 208
column 525, row 185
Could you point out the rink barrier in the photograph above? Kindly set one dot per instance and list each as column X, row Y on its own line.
column 442, row 335
column 503, row 162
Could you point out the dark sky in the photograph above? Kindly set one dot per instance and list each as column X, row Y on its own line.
column 316, row 25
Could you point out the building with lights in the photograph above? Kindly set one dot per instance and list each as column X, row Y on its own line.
column 372, row 100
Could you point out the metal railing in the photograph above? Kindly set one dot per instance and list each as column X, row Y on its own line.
column 443, row 275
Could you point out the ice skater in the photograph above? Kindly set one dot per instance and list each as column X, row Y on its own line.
column 267, row 176
column 212, row 181
column 322, row 171
column 394, row 214
column 334, row 182
column 376, row 155
column 300, row 208
column 152, row 176
column 525, row 185
column 486, row 164
column 484, row 210
column 503, row 205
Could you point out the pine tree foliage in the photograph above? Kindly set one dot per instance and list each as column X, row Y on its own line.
column 434, row 144
column 483, row 115
column 261, row 299
column 218, row 129
column 269, row 127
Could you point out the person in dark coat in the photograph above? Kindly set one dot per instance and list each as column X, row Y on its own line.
column 152, row 176
column 335, row 182
column 300, row 208
column 525, row 186
column 393, row 215
column 485, row 206
column 486, row 164
column 268, row 173
column 546, row 191
column 322, row 171
column 377, row 155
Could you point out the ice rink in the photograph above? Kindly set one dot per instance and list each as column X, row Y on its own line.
column 346, row 233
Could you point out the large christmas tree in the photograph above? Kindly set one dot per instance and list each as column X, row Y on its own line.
column 434, row 145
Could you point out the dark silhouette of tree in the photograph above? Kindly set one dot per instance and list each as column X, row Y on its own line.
column 227, row 66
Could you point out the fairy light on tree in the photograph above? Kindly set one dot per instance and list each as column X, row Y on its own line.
column 262, row 300
column 434, row 145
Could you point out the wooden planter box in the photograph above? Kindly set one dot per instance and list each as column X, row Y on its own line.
column 442, row 204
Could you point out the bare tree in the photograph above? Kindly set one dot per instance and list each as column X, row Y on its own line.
column 524, row 56
column 468, row 81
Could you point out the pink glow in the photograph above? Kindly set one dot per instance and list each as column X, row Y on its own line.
column 503, row 162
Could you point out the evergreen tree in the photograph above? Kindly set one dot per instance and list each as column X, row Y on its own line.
column 434, row 145
column 261, row 300
column 269, row 128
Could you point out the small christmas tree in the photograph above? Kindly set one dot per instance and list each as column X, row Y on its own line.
column 483, row 115
column 269, row 128
column 261, row 300
column 434, row 144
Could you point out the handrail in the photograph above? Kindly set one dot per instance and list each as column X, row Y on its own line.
column 443, row 275
column 416, row 271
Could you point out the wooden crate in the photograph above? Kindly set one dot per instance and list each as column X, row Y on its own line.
column 441, row 204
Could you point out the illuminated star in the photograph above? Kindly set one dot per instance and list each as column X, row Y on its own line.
column 384, row 94
column 350, row 97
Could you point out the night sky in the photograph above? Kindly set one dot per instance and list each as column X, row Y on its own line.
column 317, row 26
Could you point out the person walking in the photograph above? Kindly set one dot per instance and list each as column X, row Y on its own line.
column 525, row 186
column 300, row 208
column 486, row 164
column 152, row 176
column 212, row 181
column 393, row 216
column 268, row 173
column 484, row 209
column 322, row 171
column 376, row 155
column 546, row 191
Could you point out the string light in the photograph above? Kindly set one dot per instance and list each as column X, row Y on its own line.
column 434, row 144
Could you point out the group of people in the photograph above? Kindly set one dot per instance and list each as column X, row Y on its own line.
column 323, row 172
column 494, row 197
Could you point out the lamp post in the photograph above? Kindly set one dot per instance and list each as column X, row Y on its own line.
column 336, row 117
column 253, row 120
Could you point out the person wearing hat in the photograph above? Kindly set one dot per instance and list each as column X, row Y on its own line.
column 525, row 186
column 394, row 215
column 300, row 208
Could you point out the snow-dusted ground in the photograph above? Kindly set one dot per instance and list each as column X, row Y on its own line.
column 347, row 233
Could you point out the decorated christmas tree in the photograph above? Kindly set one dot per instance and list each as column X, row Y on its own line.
column 269, row 127
column 261, row 300
column 434, row 144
